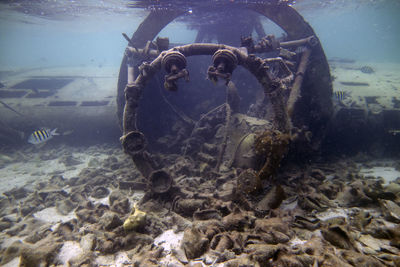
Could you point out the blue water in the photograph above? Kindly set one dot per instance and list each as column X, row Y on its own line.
column 365, row 33
column 363, row 30
column 87, row 39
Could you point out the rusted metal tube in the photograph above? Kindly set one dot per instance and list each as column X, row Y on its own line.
column 191, row 50
column 263, row 48
column 131, row 75
column 311, row 40
column 295, row 93
column 133, row 141
column 160, row 181
column 130, row 66
column 153, row 53
column 147, row 30
column 132, row 96
column 144, row 163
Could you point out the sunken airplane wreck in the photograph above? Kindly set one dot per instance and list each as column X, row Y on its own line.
column 275, row 91
column 84, row 97
column 79, row 101
column 209, row 150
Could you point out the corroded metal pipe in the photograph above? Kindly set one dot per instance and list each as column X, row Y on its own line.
column 147, row 30
column 130, row 67
column 311, row 40
column 152, row 53
column 295, row 93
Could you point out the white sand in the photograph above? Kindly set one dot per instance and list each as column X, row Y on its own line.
column 384, row 83
column 70, row 250
column 387, row 173
column 50, row 215
column 121, row 259
column 36, row 170
column 169, row 240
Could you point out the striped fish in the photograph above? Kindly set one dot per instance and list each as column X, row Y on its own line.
column 340, row 95
column 41, row 136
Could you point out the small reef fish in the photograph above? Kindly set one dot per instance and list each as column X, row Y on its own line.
column 340, row 95
column 367, row 69
column 41, row 136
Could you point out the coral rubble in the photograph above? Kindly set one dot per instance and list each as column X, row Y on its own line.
column 325, row 214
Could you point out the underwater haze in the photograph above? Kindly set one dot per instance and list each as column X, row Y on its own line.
column 58, row 33
column 199, row 133
column 87, row 35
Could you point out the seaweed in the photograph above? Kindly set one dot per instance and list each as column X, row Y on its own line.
column 272, row 146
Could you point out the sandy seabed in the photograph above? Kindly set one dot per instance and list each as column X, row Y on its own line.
column 65, row 206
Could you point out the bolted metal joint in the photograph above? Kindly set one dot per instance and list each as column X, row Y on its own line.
column 133, row 142
column 224, row 62
column 174, row 64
